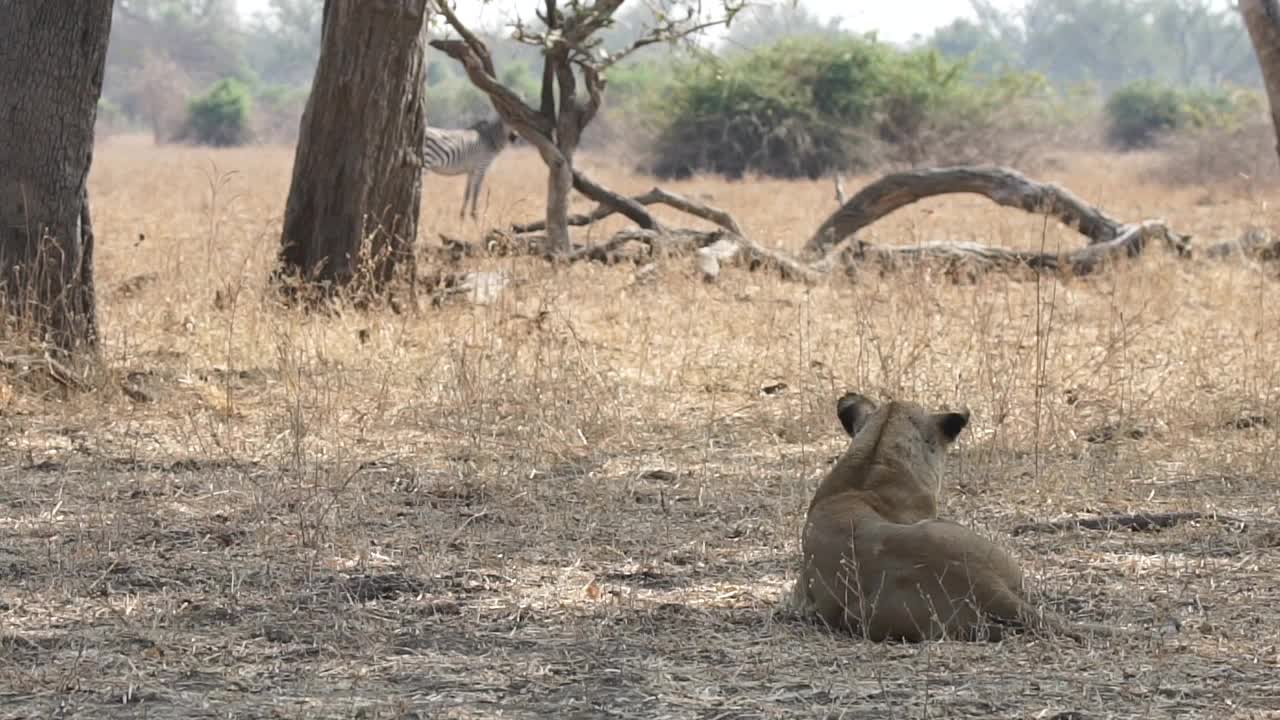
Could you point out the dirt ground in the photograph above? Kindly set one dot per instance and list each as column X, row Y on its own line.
column 584, row 499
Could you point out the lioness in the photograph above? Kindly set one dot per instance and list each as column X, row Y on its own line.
column 876, row 558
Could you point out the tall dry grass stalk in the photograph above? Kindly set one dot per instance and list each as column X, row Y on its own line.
column 470, row 508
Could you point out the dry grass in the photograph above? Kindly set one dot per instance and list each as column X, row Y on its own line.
column 577, row 502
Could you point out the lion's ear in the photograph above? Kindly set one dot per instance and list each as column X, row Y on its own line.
column 853, row 409
column 951, row 423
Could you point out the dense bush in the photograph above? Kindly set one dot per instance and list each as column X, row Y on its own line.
column 220, row 117
column 786, row 110
column 805, row 107
column 1141, row 114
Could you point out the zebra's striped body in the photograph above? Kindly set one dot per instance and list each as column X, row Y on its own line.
column 468, row 151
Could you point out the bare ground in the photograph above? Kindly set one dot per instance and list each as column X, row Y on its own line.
column 584, row 500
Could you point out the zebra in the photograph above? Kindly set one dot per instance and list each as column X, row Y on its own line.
column 468, row 151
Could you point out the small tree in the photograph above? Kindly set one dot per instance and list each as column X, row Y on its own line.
column 568, row 35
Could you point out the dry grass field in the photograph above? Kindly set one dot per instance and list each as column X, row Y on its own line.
column 580, row 501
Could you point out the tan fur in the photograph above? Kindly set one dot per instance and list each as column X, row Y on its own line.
column 876, row 558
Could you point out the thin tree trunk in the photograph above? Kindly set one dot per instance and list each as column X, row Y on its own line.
column 52, row 57
column 1262, row 18
column 559, row 185
column 351, row 179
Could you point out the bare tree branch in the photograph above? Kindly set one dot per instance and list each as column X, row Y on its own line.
column 595, row 96
column 517, row 113
column 475, row 44
column 613, row 202
column 552, row 21
column 672, row 31
column 616, row 203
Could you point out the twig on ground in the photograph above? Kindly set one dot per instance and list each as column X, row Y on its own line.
column 1135, row 522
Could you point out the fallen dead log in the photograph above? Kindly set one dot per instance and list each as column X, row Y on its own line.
column 1003, row 186
column 477, row 288
column 731, row 246
column 1255, row 244
column 1137, row 522
column 1109, row 239
column 970, row 259
column 711, row 247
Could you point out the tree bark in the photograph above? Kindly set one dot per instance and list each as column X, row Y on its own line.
column 52, row 56
column 1262, row 18
column 355, row 197
column 559, row 184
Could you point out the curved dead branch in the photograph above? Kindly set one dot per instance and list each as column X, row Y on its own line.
column 608, row 199
column 1003, row 186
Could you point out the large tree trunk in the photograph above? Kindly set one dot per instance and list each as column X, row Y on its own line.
column 1262, row 17
column 351, row 179
column 52, row 56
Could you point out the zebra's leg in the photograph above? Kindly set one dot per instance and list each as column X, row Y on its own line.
column 475, row 193
column 466, row 195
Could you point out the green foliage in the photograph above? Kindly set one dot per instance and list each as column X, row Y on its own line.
column 109, row 112
column 636, row 84
column 455, row 103
column 785, row 110
column 437, row 72
column 1141, row 113
column 220, row 117
column 803, row 107
column 520, row 78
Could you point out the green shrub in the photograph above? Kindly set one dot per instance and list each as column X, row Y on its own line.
column 1142, row 113
column 786, row 110
column 1139, row 113
column 633, row 105
column 220, row 117
column 805, row 107
column 521, row 80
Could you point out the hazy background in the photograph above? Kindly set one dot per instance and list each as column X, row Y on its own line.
column 788, row 89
